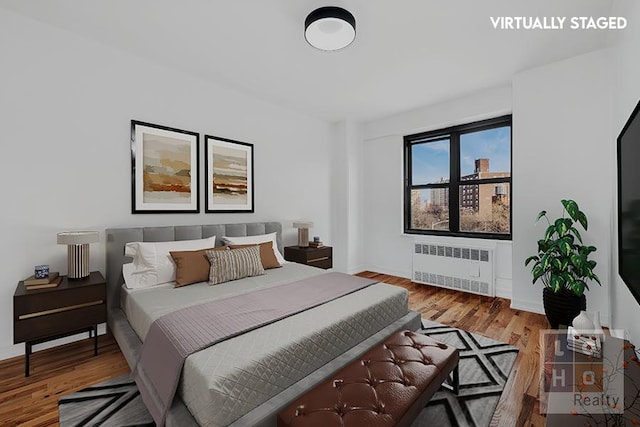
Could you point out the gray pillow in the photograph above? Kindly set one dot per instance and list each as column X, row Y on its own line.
column 234, row 264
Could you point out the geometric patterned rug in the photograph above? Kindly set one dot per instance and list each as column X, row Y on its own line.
column 483, row 371
column 484, row 368
column 112, row 403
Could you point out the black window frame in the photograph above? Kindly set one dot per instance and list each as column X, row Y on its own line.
column 453, row 134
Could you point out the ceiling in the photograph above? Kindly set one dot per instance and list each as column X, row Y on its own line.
column 407, row 53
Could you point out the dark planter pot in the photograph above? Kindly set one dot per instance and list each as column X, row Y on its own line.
column 561, row 308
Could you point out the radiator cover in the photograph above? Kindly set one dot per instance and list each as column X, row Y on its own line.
column 460, row 267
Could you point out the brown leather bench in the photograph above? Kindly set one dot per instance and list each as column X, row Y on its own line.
column 387, row 386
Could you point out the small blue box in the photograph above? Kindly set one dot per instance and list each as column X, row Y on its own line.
column 41, row 271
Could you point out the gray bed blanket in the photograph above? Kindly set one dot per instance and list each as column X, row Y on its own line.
column 174, row 336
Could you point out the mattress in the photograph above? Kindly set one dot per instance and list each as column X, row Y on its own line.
column 225, row 381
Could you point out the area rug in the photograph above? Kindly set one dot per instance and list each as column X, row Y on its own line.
column 484, row 368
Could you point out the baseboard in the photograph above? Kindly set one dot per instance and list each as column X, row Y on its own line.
column 527, row 306
column 356, row 269
column 18, row 349
column 503, row 288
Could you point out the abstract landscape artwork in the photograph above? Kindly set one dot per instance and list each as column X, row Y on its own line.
column 164, row 169
column 229, row 175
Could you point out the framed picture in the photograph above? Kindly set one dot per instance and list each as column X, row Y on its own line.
column 164, row 169
column 228, row 175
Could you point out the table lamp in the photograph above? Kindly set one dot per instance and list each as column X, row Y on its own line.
column 78, row 251
column 303, row 232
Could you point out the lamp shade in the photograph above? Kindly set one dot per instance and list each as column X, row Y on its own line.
column 303, row 227
column 78, row 251
column 78, row 237
column 330, row 28
column 302, row 224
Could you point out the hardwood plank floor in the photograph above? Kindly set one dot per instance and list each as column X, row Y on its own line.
column 65, row 369
column 55, row 372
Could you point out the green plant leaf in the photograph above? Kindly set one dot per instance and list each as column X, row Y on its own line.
column 556, row 264
column 544, row 262
column 531, row 258
column 549, row 233
column 577, row 261
column 561, row 226
column 582, row 218
column 564, row 246
column 577, row 234
column 540, row 215
column 572, row 208
column 578, row 287
column 537, row 272
column 543, row 245
column 556, row 283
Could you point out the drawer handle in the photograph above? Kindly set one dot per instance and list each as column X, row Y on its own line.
column 59, row 310
column 319, row 259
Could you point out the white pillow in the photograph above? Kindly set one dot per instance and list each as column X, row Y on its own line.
column 260, row 238
column 152, row 263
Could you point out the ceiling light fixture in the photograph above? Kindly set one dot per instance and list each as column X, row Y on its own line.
column 330, row 28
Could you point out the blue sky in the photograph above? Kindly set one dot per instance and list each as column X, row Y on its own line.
column 431, row 160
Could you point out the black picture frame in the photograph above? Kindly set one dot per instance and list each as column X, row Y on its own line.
column 164, row 169
column 229, row 178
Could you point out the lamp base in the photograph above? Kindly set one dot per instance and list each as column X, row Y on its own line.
column 78, row 261
column 303, row 237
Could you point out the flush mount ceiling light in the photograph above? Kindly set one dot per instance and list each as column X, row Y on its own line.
column 330, row 28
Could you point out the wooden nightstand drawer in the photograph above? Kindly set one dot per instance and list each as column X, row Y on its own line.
column 324, row 262
column 40, row 300
column 46, row 325
column 316, row 257
column 74, row 306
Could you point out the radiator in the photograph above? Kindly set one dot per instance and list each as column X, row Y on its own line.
column 463, row 268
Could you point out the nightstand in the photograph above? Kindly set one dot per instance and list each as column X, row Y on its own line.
column 74, row 306
column 316, row 257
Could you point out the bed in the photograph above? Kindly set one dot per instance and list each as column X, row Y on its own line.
column 245, row 380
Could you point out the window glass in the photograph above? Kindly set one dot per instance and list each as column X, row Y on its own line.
column 485, row 209
column 485, row 153
column 430, row 209
column 430, row 162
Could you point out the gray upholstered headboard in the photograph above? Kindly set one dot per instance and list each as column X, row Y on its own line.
column 118, row 237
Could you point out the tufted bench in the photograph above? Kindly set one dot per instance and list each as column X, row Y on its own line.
column 387, row 386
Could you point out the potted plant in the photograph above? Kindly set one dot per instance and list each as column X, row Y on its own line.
column 563, row 265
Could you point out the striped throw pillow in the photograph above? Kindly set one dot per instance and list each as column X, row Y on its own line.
column 235, row 264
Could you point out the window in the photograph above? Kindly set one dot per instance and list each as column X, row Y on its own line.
column 458, row 180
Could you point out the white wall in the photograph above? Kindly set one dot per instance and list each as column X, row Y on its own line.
column 346, row 196
column 65, row 106
column 625, row 311
column 386, row 249
column 562, row 150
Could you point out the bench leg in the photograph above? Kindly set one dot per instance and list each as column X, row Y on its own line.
column 453, row 382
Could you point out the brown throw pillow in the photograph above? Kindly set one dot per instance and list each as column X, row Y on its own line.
column 192, row 266
column 267, row 256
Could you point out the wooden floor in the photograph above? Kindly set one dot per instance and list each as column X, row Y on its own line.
column 62, row 370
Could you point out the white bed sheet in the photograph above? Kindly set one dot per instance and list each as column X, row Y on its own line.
column 227, row 380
